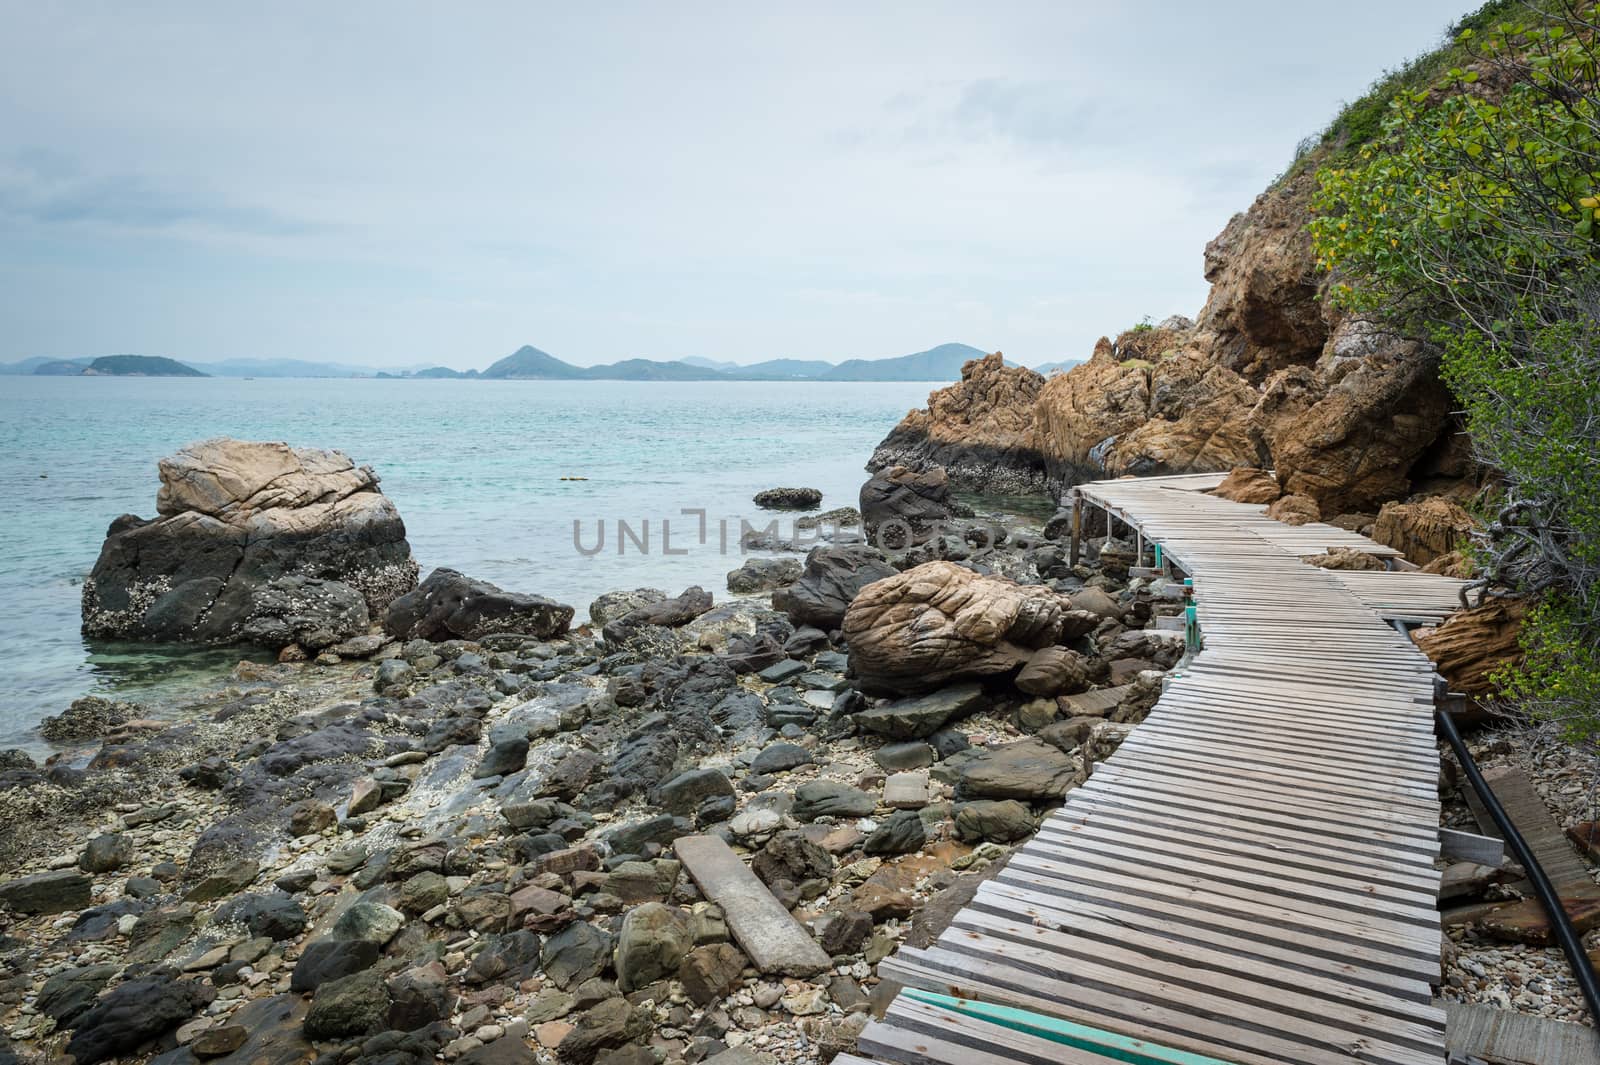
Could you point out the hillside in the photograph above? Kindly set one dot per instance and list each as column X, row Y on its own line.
column 936, row 364
column 139, row 366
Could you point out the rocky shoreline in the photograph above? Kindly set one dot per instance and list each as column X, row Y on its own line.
column 461, row 831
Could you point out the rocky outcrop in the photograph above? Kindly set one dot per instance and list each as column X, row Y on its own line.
column 1271, row 376
column 1471, row 646
column 254, row 542
column 980, row 429
column 451, row 605
column 921, row 629
column 1425, row 530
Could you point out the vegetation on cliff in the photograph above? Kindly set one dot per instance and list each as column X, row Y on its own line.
column 1472, row 218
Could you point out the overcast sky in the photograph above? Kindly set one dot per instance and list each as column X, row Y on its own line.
column 394, row 184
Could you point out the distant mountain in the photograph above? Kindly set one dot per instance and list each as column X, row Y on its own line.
column 59, row 367
column 28, row 366
column 710, row 364
column 282, row 368
column 139, row 366
column 942, row 363
column 1054, row 367
column 784, row 370
column 650, row 370
column 528, row 363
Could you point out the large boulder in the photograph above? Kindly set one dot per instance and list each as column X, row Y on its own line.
column 921, row 629
column 980, row 429
column 449, row 605
column 1425, row 530
column 901, row 506
column 256, row 542
column 832, row 578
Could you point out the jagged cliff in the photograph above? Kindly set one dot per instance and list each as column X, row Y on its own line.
column 1268, row 375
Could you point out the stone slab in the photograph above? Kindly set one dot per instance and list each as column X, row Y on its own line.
column 906, row 791
column 767, row 932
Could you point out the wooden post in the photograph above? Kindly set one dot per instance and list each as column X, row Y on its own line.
column 1138, row 547
column 1077, row 527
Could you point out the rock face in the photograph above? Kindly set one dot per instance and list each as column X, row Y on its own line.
column 449, row 605
column 1424, row 530
column 921, row 629
column 1271, row 376
column 256, row 542
column 980, row 429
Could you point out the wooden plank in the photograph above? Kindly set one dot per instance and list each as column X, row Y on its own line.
column 1501, row 1036
column 1533, row 819
column 769, row 934
column 1470, row 847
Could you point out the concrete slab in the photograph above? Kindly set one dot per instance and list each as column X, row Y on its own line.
column 767, row 932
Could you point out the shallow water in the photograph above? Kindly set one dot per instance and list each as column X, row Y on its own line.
column 475, row 468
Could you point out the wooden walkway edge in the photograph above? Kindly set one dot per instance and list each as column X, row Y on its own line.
column 1250, row 878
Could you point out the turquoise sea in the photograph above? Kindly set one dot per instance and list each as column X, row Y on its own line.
column 475, row 467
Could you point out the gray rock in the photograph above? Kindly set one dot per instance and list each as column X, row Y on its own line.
column 577, row 953
column 349, row 1006
column 449, row 604
column 901, row 833
column 104, row 853
column 1030, row 770
column 390, row 672
column 684, row 793
column 830, row 798
column 923, row 715
column 763, row 574
column 652, row 943
column 42, row 893
column 897, row 757
column 830, row 580
column 782, row 671
column 67, row 994
column 322, row 960
column 994, row 821
column 370, row 921
column 780, row 757
column 789, row 499
column 133, row 1013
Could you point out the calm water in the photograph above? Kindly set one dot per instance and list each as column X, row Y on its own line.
column 474, row 467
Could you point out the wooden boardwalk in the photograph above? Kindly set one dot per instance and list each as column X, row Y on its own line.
column 1250, row 877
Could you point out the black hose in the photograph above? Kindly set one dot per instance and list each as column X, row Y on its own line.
column 1566, row 935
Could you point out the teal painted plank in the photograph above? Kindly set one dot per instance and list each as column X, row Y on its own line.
column 1112, row 1045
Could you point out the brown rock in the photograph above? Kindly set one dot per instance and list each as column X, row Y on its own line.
column 1054, row 671
column 1295, row 510
column 1456, row 564
column 980, row 429
column 882, row 903
column 901, row 506
column 1344, row 558
column 1424, row 530
column 1246, row 484
column 938, row 622
column 1472, row 645
column 710, row 972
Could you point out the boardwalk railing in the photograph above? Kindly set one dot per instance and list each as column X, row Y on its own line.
column 1250, row 877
